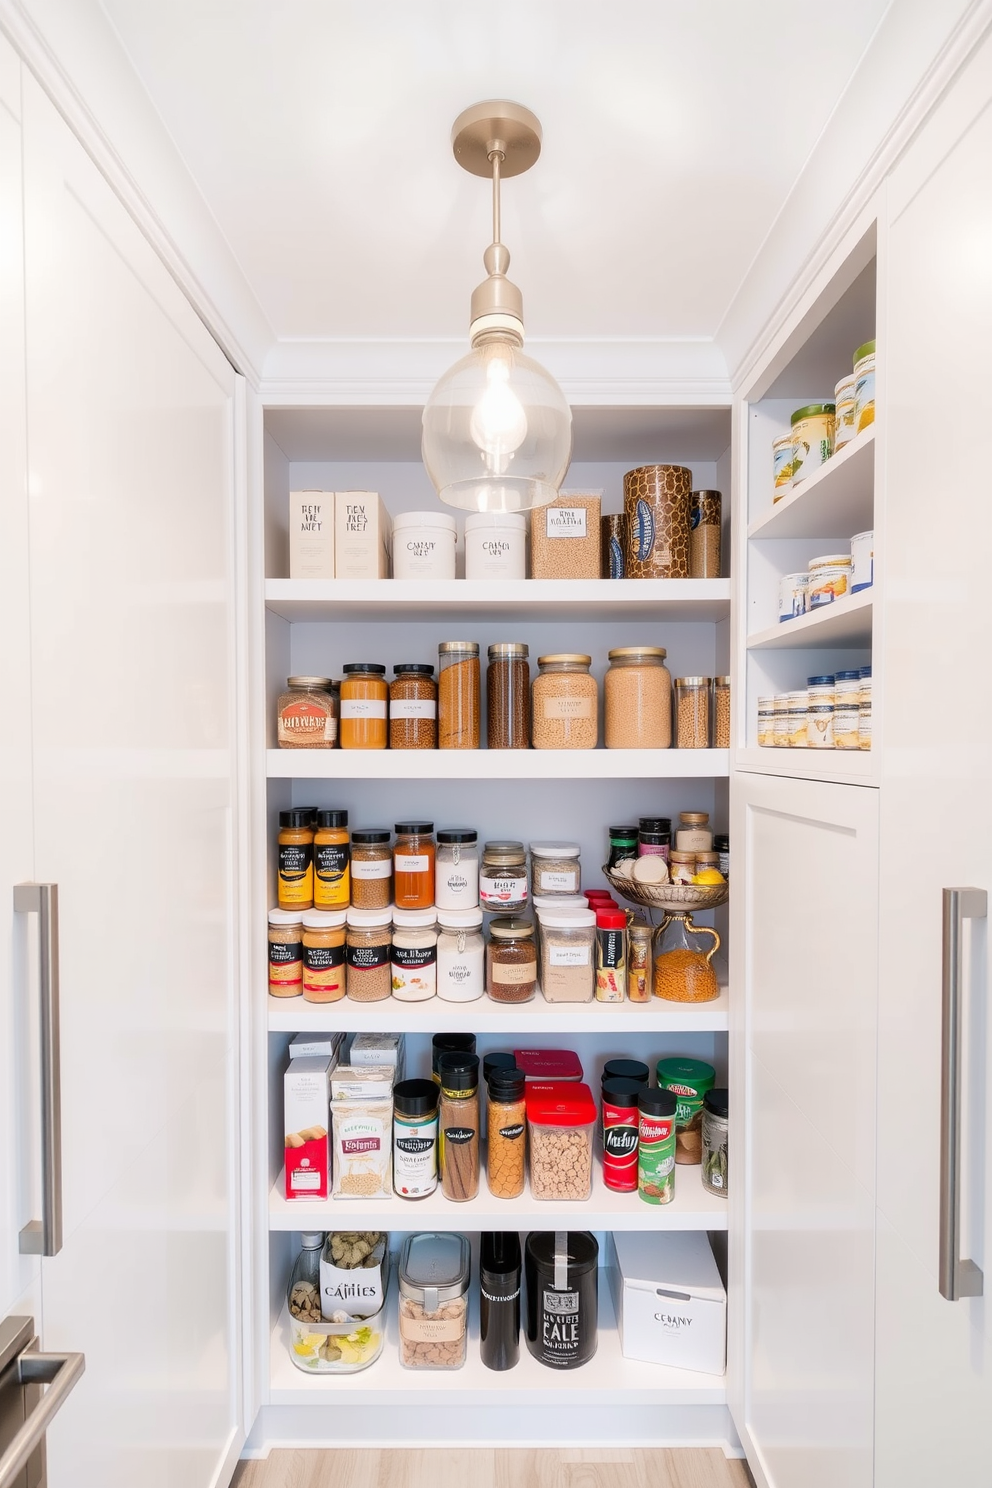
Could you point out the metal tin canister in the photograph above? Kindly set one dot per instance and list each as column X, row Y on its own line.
column 792, row 590
column 656, row 505
column 845, row 411
column 812, row 439
column 613, row 546
column 862, row 561
column 782, row 466
column 562, row 1296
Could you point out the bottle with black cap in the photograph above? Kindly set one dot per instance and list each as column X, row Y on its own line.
column 626, row 1069
column 449, row 1043
column 415, row 1144
column 499, row 1278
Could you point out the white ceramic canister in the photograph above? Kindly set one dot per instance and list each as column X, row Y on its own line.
column 792, row 591
column 829, row 579
column 864, row 377
column 424, row 545
column 414, row 955
column 862, row 561
column 845, row 404
column 782, row 466
column 495, row 545
column 461, row 955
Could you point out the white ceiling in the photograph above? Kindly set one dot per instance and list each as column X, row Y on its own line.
column 318, row 132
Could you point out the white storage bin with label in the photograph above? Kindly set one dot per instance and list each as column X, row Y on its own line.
column 495, row 545
column 424, row 545
column 671, row 1306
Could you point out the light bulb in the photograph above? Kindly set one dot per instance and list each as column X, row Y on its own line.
column 498, row 424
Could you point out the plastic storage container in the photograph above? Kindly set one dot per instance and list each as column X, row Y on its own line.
column 568, row 956
column 320, row 1347
column 434, row 1272
column 555, row 869
column 692, row 712
column 561, row 1120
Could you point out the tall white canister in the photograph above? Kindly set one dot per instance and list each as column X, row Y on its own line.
column 424, row 545
column 495, row 545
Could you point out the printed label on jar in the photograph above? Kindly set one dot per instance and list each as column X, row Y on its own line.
column 305, row 722
column 459, row 1134
column 412, row 863
column 330, row 861
column 514, row 976
column 512, row 1133
column 553, row 881
column 413, row 708
column 414, row 958
column 502, row 891
column 656, row 1159
column 562, row 955
column 560, row 1325
column 566, row 521
column 458, row 889
column 363, row 708
column 423, row 1330
column 415, row 1159
column 294, row 861
column 372, row 867
column 283, row 953
column 322, row 958
column 364, row 957
column 568, row 707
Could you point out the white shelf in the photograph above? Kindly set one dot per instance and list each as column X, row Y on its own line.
column 844, row 766
column 691, row 1209
column 846, row 622
column 607, row 1379
column 294, row 1015
column 837, row 502
column 524, row 599
column 496, row 764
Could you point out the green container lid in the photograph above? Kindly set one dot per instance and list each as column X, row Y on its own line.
column 812, row 409
column 692, row 1074
column 867, row 350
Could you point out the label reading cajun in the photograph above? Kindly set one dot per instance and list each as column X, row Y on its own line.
column 656, row 1159
column 364, row 957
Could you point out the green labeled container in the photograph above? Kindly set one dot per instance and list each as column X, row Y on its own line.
column 688, row 1080
column 656, row 1146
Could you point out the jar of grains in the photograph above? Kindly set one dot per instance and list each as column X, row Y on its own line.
column 555, row 868
column 434, row 1273
column 508, row 696
column 295, row 872
column 285, row 952
column 511, row 961
column 692, row 712
column 507, row 1132
column 720, row 712
column 456, row 868
column 503, row 880
column 565, row 703
column 371, row 869
column 323, row 955
column 694, row 834
column 368, row 939
column 637, row 698
column 413, row 865
column 413, row 964
column 413, row 707
column 458, row 705
column 306, row 714
column 568, row 956
column 461, row 954
column 364, row 694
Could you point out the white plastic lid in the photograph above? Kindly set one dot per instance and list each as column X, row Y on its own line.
column 555, row 849
column 559, row 901
column 831, row 560
column 424, row 519
column 324, row 919
column 285, row 916
column 575, row 919
column 459, row 919
column 414, row 917
column 368, row 919
column 511, row 521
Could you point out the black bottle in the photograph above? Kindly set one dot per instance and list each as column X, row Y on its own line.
column 499, row 1278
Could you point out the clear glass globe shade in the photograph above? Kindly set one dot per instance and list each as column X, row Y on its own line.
column 497, row 432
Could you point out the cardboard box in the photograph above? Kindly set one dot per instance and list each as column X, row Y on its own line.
column 356, row 1082
column 311, row 534
column 379, row 1048
column 565, row 537
column 316, row 1046
column 307, row 1116
column 670, row 1303
column 362, row 536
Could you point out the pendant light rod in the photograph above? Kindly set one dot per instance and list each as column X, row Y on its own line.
column 497, row 157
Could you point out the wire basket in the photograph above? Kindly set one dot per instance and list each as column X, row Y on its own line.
column 667, row 895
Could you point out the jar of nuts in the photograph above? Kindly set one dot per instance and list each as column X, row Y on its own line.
column 561, row 1118
column 434, row 1273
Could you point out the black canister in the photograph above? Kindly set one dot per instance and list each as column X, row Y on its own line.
column 562, row 1296
column 497, row 1061
column 449, row 1043
column 626, row 1069
column 499, row 1286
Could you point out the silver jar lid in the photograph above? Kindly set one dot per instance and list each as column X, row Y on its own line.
column 434, row 1268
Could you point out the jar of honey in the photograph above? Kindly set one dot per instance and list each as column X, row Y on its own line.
column 413, row 865
column 295, row 873
column 364, row 692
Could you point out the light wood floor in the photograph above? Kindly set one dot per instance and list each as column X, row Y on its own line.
column 497, row 1468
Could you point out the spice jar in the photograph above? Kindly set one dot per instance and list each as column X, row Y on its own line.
column 623, row 845
column 295, row 873
column 656, row 1146
column 458, row 704
column 503, row 879
column 449, row 1043
column 568, row 942
column 555, row 868
column 561, row 1117
column 692, row 712
column 506, row 1143
column 306, row 715
column 511, row 961
column 461, row 953
column 720, row 712
column 639, row 963
column 415, row 1138
column 413, row 865
column 611, row 955
column 331, row 861
column 323, row 955
column 371, row 869
column 693, row 834
column 367, row 974
column 413, row 962
column 456, row 869
column 508, row 696
column 434, row 1271
column 637, row 698
column 413, row 707
column 565, row 703
column 363, row 706
column 688, row 1080
column 714, row 1133
column 285, row 952
column 704, row 534
column 562, row 1272
column 620, row 1121
column 654, row 835
column 459, row 1126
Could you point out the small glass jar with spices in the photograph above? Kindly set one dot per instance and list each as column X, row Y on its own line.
column 720, row 712
column 371, row 868
column 692, row 712
column 508, row 696
column 364, row 702
column 507, row 1132
column 511, row 961
column 285, row 952
column 331, row 861
column 565, row 703
column 413, row 707
column 637, row 699
column 415, row 1141
column 295, row 871
column 654, row 836
column 456, row 868
column 503, row 878
column 413, row 865
column 459, row 1126
column 714, row 1134
column 459, row 702
column 640, row 963
column 306, row 714
column 367, row 954
column 323, row 955
column 413, row 965
column 555, row 868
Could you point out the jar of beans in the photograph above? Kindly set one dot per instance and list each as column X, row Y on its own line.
column 692, row 712
column 565, row 702
column 367, row 946
column 511, row 961
column 364, row 694
column 637, row 696
column 371, row 868
column 508, row 696
column 413, row 707
column 458, row 704
column 720, row 712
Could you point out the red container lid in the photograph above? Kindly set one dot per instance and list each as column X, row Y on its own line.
column 548, row 1064
column 611, row 919
column 597, row 894
column 560, row 1103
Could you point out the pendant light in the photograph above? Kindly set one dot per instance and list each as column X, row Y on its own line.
column 497, row 429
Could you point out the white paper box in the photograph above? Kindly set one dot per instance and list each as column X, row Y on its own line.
column 379, row 1048
column 670, row 1303
column 316, row 1046
column 311, row 534
column 362, row 536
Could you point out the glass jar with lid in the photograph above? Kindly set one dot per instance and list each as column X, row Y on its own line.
column 508, row 696
column 565, row 701
column 692, row 712
column 367, row 954
column 503, row 879
column 511, row 961
column 720, row 712
column 323, row 955
column 568, row 956
column 331, row 860
column 461, row 952
column 694, row 834
column 413, row 865
column 364, row 694
column 458, row 703
column 637, row 699
column 371, row 868
column 434, row 1273
column 456, row 868
column 413, row 707
column 306, row 714
column 414, row 955
column 285, row 952
column 555, row 868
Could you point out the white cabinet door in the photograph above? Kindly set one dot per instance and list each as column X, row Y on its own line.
column 803, row 938
column 934, row 1391
column 131, row 446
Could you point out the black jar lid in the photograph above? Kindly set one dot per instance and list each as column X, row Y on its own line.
column 459, row 1070
column 716, row 1100
column 371, row 836
column 622, row 1092
column 506, row 1085
column 721, row 842
column 415, row 1097
column 414, row 829
column 655, row 823
column 332, row 818
column 580, row 1250
column 414, row 668
column 457, row 834
column 300, row 816
column 498, row 1062
column 626, row 1069
column 626, row 834
column 657, row 1102
column 364, row 666
column 447, row 1043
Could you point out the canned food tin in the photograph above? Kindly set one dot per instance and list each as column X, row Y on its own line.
column 845, row 427
column 862, row 561
column 782, row 466
column 812, row 439
column 792, row 592
column 829, row 579
column 864, row 393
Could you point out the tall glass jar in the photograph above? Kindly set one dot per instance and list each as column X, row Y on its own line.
column 364, row 694
column 692, row 712
column 413, row 865
column 371, row 868
column 458, row 705
column 511, row 961
column 461, row 953
column 456, row 868
column 413, row 707
column 503, row 880
column 414, row 955
column 508, row 696
column 459, row 1126
column 565, row 703
column 637, row 695
column 306, row 714
column 720, row 712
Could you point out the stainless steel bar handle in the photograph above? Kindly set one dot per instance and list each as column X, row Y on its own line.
column 60, row 1373
column 956, row 1277
column 44, row 1236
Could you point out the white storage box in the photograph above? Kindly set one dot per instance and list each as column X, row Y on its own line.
column 362, row 536
column 670, row 1303
column 311, row 534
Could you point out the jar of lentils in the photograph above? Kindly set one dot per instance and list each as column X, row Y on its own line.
column 503, row 879
column 692, row 712
column 508, row 696
column 458, row 695
column 413, row 707
column 565, row 702
column 367, row 947
column 637, row 697
column 371, row 869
